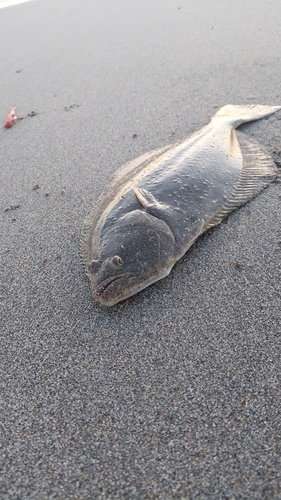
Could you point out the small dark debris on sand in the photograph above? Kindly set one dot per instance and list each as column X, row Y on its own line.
column 36, row 187
column 67, row 108
column 239, row 265
column 11, row 207
column 135, row 135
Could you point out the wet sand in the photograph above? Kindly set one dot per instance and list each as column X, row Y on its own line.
column 174, row 393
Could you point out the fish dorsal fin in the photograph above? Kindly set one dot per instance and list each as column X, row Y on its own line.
column 257, row 173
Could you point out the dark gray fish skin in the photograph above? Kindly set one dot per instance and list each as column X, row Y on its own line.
column 157, row 206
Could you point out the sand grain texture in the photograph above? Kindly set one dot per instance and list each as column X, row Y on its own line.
column 176, row 392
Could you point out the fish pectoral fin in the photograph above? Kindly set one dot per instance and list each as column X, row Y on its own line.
column 150, row 204
column 145, row 198
column 153, row 207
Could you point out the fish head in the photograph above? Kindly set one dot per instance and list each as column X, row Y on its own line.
column 137, row 250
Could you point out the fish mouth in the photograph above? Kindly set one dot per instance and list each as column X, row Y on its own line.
column 104, row 285
column 107, row 297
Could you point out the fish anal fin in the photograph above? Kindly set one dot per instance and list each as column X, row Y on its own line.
column 258, row 171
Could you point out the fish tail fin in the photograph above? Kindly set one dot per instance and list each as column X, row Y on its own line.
column 236, row 115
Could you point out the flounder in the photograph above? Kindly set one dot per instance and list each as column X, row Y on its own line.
column 157, row 206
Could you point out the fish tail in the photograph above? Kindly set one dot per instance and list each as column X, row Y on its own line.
column 236, row 115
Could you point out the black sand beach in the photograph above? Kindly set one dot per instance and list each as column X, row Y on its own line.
column 174, row 393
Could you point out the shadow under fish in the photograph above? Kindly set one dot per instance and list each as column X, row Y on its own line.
column 157, row 205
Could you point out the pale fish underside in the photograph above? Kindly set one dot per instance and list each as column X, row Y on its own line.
column 157, row 205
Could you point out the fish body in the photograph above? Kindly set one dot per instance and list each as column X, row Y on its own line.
column 159, row 204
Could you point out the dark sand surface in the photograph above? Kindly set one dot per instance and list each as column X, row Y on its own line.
column 176, row 392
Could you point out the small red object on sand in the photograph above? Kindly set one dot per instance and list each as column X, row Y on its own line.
column 11, row 118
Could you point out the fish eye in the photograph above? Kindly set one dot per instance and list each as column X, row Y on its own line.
column 117, row 261
column 93, row 265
